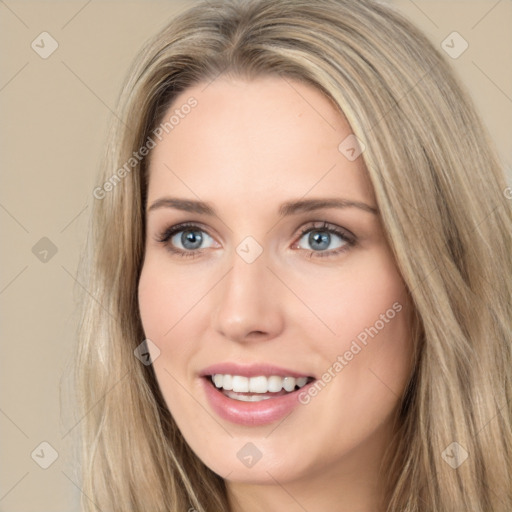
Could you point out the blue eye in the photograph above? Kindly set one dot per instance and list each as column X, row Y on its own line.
column 325, row 240
column 190, row 239
column 189, row 236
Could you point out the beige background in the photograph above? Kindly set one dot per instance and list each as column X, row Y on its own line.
column 54, row 113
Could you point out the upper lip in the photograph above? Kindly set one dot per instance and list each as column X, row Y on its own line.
column 250, row 370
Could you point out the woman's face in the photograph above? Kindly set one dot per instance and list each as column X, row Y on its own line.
column 266, row 265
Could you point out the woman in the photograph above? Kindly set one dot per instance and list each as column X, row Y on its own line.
column 296, row 274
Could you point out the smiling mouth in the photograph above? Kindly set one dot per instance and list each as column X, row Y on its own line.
column 256, row 389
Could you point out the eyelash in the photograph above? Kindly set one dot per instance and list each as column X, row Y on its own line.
column 345, row 235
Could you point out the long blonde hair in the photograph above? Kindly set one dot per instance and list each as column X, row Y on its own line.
column 440, row 190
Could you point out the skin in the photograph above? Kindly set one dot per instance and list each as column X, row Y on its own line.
column 247, row 147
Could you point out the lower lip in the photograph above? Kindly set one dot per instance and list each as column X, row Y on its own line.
column 254, row 414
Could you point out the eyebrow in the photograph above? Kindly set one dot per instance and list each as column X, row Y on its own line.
column 287, row 208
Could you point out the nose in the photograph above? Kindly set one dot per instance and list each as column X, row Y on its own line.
column 249, row 305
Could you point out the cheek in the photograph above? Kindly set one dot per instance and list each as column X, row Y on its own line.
column 154, row 299
column 173, row 312
column 366, row 295
column 163, row 302
column 165, row 297
column 366, row 306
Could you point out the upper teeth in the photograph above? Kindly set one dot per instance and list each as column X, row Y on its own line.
column 260, row 384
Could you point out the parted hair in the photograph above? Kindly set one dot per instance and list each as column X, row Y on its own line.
column 439, row 187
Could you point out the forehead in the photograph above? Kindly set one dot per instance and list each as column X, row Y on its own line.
column 252, row 141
